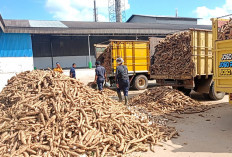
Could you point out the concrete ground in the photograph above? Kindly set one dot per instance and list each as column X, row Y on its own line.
column 208, row 134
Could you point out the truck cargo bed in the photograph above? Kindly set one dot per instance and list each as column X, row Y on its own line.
column 201, row 50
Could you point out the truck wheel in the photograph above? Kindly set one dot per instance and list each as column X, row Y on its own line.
column 184, row 90
column 140, row 82
column 215, row 95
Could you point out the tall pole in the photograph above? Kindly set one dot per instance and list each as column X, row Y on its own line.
column 95, row 11
column 118, row 10
column 90, row 63
column 176, row 12
column 51, row 48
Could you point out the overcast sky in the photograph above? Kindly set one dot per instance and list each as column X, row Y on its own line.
column 82, row 10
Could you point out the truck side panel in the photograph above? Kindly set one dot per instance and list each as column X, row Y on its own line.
column 223, row 66
column 135, row 54
column 201, row 48
column 201, row 45
column 222, row 63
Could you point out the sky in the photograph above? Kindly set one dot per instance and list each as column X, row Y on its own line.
column 82, row 10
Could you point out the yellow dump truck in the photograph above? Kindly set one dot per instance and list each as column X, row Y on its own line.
column 200, row 79
column 136, row 56
column 222, row 60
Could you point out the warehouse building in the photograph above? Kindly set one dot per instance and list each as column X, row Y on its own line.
column 25, row 44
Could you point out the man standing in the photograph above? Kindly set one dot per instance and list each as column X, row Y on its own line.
column 58, row 68
column 100, row 75
column 72, row 71
column 122, row 80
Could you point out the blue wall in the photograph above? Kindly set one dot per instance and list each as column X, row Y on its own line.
column 15, row 45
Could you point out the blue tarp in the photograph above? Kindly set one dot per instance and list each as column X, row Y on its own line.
column 15, row 45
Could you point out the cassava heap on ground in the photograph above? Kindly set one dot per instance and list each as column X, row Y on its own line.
column 173, row 56
column 225, row 31
column 44, row 113
column 105, row 59
column 105, row 91
column 165, row 100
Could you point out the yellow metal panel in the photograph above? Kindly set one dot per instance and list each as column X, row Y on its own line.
column 206, row 54
column 136, row 55
column 133, row 56
column 201, row 46
column 148, row 58
column 199, row 53
column 223, row 66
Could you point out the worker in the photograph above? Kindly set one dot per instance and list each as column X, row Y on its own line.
column 122, row 80
column 58, row 68
column 100, row 75
column 72, row 71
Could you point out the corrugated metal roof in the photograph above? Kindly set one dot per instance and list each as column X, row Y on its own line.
column 17, row 23
column 110, row 25
column 48, row 24
column 77, row 27
column 164, row 17
column 98, row 25
column 2, row 25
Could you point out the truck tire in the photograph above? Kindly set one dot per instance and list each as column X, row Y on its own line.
column 184, row 90
column 140, row 82
column 213, row 95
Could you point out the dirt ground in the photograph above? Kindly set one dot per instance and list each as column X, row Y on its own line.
column 208, row 134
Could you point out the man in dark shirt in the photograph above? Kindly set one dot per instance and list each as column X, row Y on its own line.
column 72, row 71
column 100, row 75
column 122, row 80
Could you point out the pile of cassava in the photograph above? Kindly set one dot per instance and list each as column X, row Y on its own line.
column 105, row 59
column 225, row 31
column 106, row 90
column 172, row 56
column 44, row 113
column 165, row 100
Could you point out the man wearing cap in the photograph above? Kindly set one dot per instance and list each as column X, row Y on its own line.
column 100, row 75
column 122, row 80
column 72, row 71
column 58, row 68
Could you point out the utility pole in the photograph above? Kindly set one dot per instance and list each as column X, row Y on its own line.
column 118, row 10
column 176, row 12
column 90, row 63
column 95, row 11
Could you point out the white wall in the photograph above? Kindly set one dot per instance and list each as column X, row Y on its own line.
column 65, row 61
column 10, row 66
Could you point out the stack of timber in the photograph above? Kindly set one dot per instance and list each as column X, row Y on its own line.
column 172, row 56
column 105, row 59
column 225, row 31
column 165, row 100
column 44, row 113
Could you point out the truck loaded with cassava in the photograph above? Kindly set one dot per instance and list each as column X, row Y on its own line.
column 222, row 63
column 183, row 60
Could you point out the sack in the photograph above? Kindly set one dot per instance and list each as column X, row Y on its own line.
column 107, row 84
